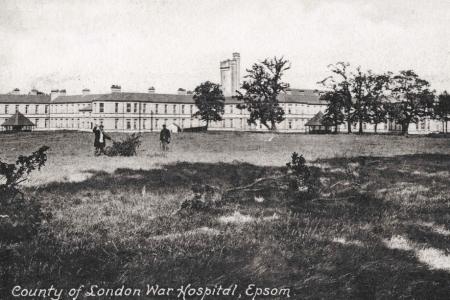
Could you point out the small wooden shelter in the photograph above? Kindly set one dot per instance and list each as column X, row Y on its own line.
column 18, row 122
column 315, row 125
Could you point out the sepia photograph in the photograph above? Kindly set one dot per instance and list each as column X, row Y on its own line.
column 224, row 149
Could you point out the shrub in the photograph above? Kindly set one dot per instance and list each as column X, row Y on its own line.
column 126, row 147
column 303, row 181
column 20, row 216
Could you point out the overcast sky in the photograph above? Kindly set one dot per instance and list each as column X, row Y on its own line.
column 55, row 44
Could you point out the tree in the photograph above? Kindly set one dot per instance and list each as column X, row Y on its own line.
column 334, row 114
column 210, row 102
column 377, row 87
column 262, row 87
column 414, row 100
column 442, row 109
column 338, row 85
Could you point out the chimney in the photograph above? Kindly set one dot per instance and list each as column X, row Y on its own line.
column 151, row 90
column 62, row 92
column 116, row 88
column 54, row 94
column 288, row 91
column 16, row 91
column 86, row 92
column 33, row 92
column 181, row 91
column 190, row 92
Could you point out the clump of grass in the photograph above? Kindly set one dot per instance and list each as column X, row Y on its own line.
column 126, row 147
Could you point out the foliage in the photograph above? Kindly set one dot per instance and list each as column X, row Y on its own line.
column 210, row 102
column 262, row 87
column 303, row 182
column 126, row 147
column 369, row 91
column 442, row 109
column 414, row 99
column 12, row 175
column 355, row 97
column 334, row 113
column 339, row 96
column 20, row 216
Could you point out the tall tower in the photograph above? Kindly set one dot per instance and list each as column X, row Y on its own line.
column 230, row 75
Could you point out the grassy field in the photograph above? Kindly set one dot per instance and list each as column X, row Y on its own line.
column 380, row 228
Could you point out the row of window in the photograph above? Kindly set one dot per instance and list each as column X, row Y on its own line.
column 27, row 109
column 142, row 108
column 37, row 122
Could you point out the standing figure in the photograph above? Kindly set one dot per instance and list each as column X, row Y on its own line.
column 164, row 137
column 100, row 140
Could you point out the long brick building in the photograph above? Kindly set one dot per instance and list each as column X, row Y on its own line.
column 148, row 111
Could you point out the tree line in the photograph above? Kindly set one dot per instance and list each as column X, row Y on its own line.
column 353, row 96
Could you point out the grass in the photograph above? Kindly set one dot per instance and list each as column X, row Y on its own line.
column 379, row 230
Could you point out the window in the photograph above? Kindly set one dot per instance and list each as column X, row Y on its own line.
column 135, row 124
column 78, row 123
column 144, row 107
column 182, row 109
column 182, row 121
column 156, row 120
column 128, row 124
column 289, row 110
column 101, row 107
column 135, row 108
column 165, row 108
column 46, row 109
column 128, row 107
column 46, row 123
column 116, row 123
column 116, row 108
column 231, row 110
column 17, row 108
column 36, row 109
column 174, row 109
column 101, row 121
column 364, row 126
column 290, row 124
column 6, row 108
column 36, row 122
column 26, row 109
column 143, row 123
column 191, row 108
column 231, row 123
column 156, row 108
column 165, row 121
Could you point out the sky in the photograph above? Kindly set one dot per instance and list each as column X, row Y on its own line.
column 168, row 44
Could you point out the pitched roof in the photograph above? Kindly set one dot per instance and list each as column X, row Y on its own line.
column 38, row 99
column 292, row 96
column 316, row 120
column 296, row 96
column 18, row 120
column 76, row 98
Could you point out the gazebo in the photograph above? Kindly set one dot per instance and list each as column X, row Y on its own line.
column 315, row 125
column 18, row 122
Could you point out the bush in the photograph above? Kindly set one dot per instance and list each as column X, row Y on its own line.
column 20, row 216
column 126, row 147
column 303, row 182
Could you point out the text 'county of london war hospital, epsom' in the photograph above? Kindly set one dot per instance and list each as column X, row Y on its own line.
column 132, row 112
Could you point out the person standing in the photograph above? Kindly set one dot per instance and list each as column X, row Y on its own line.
column 164, row 137
column 100, row 140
